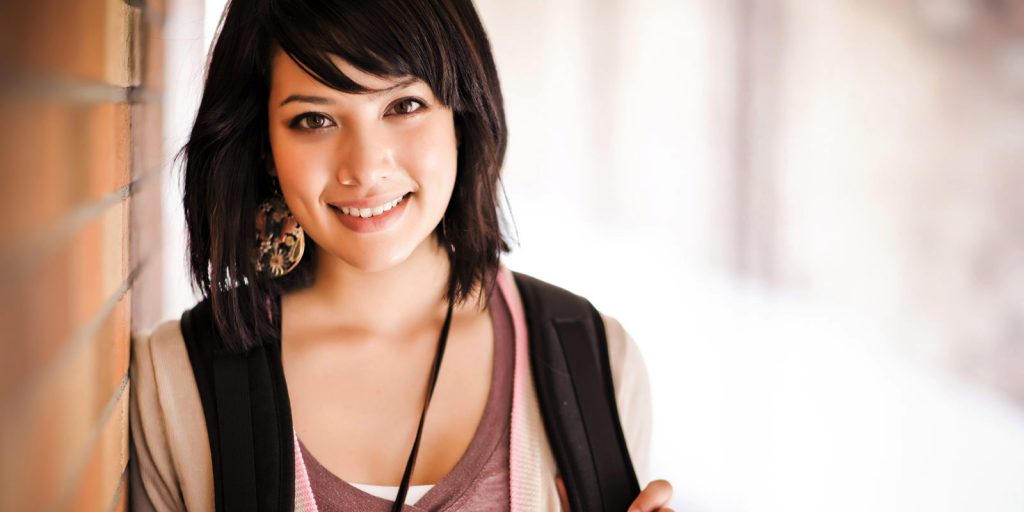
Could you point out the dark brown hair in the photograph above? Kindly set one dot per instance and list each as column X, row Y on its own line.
column 441, row 42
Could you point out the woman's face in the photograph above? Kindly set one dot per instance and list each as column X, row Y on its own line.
column 343, row 160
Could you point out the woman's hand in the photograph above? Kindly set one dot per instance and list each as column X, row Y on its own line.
column 654, row 498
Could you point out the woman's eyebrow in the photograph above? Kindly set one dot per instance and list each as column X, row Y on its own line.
column 320, row 100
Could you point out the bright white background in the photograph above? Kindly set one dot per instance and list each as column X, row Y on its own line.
column 794, row 392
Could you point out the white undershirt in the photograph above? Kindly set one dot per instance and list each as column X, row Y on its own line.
column 389, row 492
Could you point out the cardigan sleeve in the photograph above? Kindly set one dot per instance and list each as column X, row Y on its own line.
column 154, row 485
column 632, row 395
column 169, row 468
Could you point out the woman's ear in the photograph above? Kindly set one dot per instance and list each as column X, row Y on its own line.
column 269, row 165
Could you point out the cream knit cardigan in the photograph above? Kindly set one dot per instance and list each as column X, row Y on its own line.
column 170, row 466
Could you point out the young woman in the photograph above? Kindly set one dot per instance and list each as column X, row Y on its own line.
column 341, row 199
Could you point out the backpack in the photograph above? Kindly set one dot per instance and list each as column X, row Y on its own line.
column 249, row 422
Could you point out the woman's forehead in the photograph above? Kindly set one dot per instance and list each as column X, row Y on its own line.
column 287, row 74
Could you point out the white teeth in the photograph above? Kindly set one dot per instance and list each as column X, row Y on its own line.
column 371, row 212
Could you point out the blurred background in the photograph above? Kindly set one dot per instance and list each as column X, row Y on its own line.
column 807, row 214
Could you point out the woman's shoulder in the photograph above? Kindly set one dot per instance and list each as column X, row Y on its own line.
column 160, row 367
column 632, row 393
column 161, row 337
column 622, row 349
column 160, row 357
column 166, row 339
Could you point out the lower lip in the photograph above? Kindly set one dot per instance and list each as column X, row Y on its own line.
column 375, row 223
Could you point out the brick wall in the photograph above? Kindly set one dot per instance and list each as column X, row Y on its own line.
column 80, row 153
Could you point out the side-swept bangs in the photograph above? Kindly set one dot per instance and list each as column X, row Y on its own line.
column 383, row 40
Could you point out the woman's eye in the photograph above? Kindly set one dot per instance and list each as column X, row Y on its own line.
column 311, row 121
column 407, row 106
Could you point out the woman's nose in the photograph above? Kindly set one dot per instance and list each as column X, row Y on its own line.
column 365, row 157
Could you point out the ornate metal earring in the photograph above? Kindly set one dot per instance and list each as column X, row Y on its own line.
column 280, row 241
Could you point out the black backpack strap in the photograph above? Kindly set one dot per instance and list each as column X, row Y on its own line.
column 572, row 374
column 248, row 418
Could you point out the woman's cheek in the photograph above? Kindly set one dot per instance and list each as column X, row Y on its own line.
column 435, row 149
column 303, row 166
column 302, row 176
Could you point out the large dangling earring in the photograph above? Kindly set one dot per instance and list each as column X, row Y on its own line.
column 280, row 241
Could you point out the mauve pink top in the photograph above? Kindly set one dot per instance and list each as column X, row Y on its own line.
column 480, row 479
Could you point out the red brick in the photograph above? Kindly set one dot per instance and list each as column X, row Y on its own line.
column 80, row 40
column 57, row 159
column 101, row 476
column 63, row 291
column 152, row 38
column 48, row 436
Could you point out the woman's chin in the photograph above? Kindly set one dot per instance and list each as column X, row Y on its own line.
column 374, row 261
column 372, row 258
column 381, row 255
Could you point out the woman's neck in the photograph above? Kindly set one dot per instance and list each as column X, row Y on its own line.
column 387, row 302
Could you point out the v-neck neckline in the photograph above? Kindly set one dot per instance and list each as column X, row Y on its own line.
column 481, row 447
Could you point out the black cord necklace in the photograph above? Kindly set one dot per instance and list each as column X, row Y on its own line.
column 403, row 489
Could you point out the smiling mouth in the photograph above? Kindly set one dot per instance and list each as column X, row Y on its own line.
column 374, row 222
column 369, row 213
